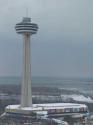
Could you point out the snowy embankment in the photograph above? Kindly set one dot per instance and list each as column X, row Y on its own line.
column 64, row 98
column 80, row 98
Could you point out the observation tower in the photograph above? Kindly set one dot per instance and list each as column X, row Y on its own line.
column 26, row 108
column 26, row 28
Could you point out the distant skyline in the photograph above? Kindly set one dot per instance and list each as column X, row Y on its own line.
column 63, row 46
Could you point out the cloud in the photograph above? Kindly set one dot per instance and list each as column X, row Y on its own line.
column 59, row 48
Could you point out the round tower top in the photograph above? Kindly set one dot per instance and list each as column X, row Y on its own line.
column 26, row 27
column 26, row 20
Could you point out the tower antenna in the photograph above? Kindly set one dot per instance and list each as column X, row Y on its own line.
column 27, row 12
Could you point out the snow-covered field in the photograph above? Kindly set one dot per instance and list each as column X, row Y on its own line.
column 65, row 98
column 80, row 98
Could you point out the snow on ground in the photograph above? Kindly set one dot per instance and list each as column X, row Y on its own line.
column 80, row 98
column 65, row 98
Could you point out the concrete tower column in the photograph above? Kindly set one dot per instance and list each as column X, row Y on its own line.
column 26, row 96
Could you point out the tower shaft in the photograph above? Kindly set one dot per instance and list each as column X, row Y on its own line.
column 26, row 95
column 27, row 29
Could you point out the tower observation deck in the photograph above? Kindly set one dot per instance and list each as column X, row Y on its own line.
column 26, row 28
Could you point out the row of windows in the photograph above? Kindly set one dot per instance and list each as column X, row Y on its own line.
column 33, row 26
column 26, row 31
column 69, row 110
column 26, row 28
column 27, row 24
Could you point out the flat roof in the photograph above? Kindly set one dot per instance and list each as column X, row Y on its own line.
column 47, row 106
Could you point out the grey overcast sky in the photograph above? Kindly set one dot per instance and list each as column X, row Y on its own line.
column 63, row 46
